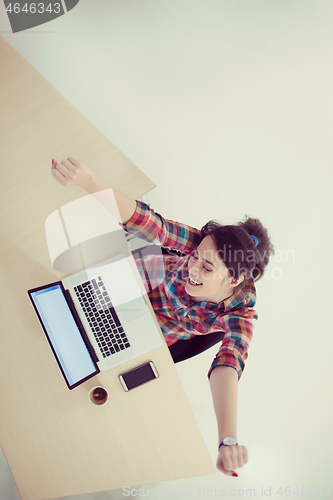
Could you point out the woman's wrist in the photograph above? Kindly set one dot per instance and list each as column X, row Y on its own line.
column 228, row 441
column 93, row 184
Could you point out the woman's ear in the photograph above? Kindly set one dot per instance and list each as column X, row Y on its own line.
column 235, row 282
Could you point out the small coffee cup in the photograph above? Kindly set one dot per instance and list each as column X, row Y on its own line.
column 98, row 396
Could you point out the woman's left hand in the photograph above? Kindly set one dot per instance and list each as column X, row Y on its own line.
column 231, row 457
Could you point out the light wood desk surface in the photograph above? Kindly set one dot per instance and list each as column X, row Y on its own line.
column 55, row 441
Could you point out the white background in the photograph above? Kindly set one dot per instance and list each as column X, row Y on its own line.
column 227, row 106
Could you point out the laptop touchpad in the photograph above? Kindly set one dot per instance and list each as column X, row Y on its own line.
column 131, row 310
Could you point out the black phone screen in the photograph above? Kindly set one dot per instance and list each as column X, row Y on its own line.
column 138, row 376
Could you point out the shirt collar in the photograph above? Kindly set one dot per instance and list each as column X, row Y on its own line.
column 244, row 296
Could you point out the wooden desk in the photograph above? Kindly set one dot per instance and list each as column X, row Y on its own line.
column 55, row 441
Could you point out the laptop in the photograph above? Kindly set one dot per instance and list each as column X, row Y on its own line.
column 95, row 320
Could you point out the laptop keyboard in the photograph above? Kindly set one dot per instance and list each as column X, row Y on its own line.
column 102, row 318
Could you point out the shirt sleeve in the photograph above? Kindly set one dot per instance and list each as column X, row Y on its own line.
column 235, row 344
column 152, row 227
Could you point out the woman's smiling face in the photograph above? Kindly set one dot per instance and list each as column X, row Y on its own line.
column 206, row 268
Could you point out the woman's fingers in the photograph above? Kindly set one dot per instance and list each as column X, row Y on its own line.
column 67, row 164
column 73, row 172
column 58, row 176
column 62, row 171
column 245, row 455
column 231, row 457
column 73, row 160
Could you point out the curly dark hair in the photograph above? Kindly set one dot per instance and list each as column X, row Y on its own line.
column 237, row 249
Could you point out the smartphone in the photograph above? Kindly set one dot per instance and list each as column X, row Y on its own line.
column 138, row 376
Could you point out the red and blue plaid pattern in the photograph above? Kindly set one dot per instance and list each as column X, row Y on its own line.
column 180, row 317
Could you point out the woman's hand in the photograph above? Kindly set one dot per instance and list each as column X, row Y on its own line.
column 231, row 457
column 71, row 172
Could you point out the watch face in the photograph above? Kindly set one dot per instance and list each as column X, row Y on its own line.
column 229, row 441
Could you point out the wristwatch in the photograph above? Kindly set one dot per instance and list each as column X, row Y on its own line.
column 228, row 441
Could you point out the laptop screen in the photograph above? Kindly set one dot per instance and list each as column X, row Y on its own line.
column 63, row 334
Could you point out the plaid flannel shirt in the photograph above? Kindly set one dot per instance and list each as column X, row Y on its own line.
column 180, row 317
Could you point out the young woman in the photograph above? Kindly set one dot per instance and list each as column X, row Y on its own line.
column 205, row 296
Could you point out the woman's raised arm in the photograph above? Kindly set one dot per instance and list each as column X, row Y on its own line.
column 224, row 387
column 72, row 172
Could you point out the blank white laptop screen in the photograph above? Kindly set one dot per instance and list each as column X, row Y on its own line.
column 64, row 335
